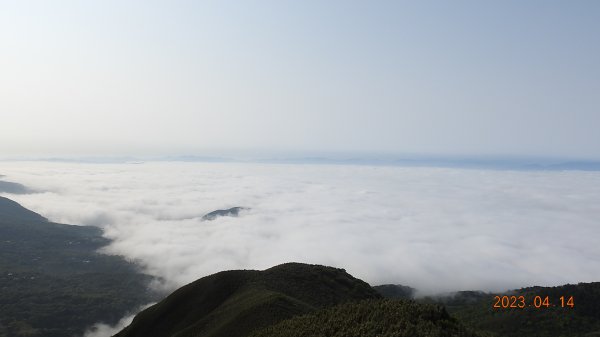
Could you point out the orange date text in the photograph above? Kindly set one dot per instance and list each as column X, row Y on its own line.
column 537, row 302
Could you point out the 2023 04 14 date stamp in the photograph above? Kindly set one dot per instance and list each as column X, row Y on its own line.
column 537, row 302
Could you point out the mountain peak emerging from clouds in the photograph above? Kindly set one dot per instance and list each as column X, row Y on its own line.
column 234, row 212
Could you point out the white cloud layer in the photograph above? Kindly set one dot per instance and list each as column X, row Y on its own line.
column 435, row 229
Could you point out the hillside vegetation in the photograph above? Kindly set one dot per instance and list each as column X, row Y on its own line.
column 372, row 318
column 235, row 303
column 54, row 283
column 583, row 319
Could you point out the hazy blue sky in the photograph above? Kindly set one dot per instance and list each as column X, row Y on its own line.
column 192, row 77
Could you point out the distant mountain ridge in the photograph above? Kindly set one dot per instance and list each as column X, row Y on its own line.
column 472, row 162
column 13, row 188
column 395, row 291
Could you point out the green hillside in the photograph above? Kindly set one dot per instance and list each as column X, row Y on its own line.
column 235, row 303
column 583, row 319
column 372, row 318
column 395, row 291
column 54, row 283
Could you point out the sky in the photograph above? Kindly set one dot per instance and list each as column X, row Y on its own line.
column 102, row 78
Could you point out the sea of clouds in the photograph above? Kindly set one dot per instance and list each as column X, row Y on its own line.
column 435, row 229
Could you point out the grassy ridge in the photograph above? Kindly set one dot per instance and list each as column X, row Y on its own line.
column 235, row 303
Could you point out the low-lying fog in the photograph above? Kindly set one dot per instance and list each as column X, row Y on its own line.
column 435, row 229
